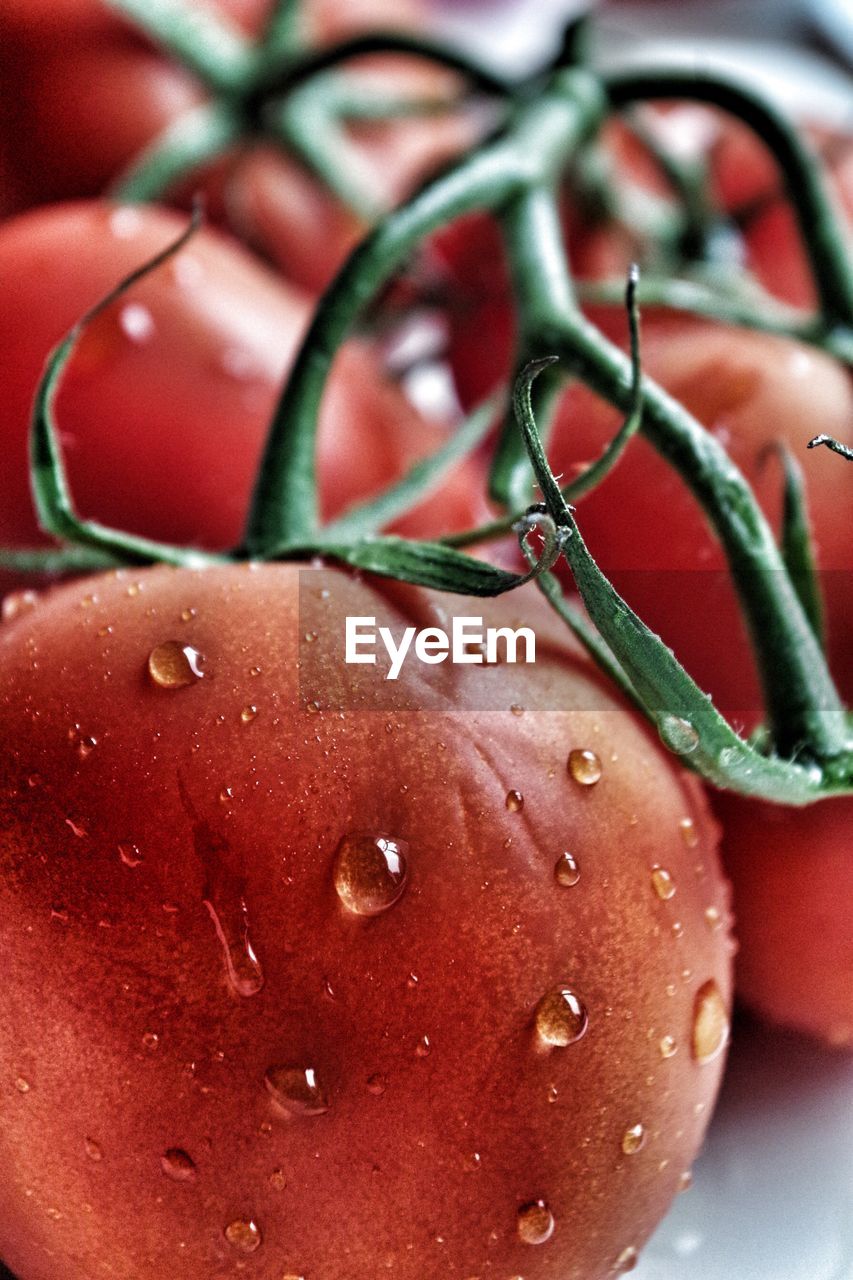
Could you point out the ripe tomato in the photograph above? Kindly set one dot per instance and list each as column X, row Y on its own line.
column 84, row 94
column 167, row 401
column 345, row 975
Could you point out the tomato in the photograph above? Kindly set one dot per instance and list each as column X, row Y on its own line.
column 167, row 401
column 429, row 978
column 85, row 94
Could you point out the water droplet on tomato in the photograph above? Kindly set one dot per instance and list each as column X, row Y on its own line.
column 423, row 1048
column 585, row 767
column 472, row 1163
column 231, row 922
column 710, row 1022
column 370, row 873
column 278, row 1181
column 514, row 801
column 17, row 603
column 151, row 1040
column 633, row 1139
column 535, row 1223
column 93, row 1149
column 677, row 735
column 244, row 1235
column 188, row 614
column 249, row 713
column 713, row 919
column 376, row 1085
column 566, row 871
column 626, row 1261
column 560, row 1018
column 668, row 1047
column 173, row 665
column 22, row 1085
column 136, row 322
column 296, row 1090
column 685, row 1182
column 176, row 1164
column 689, row 834
column 663, row 883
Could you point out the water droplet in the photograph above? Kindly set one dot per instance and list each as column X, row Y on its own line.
column 689, row 834
column 188, row 614
column 22, row 1085
column 423, row 1048
column 249, row 713
column 626, row 1261
column 566, row 871
column 633, row 1139
column 376, row 1085
column 668, row 1047
column 231, row 922
column 130, row 855
column 173, row 665
column 278, row 1182
column 663, row 883
column 151, row 1040
column 514, row 801
column 713, row 919
column 297, row 1091
column 677, row 735
column 54, row 1214
column 535, row 1224
column 244, row 1234
column 370, row 873
column 93, row 1149
column 136, row 322
column 473, row 1162
column 561, row 1018
column 685, row 1182
column 517, row 709
column 176, row 1164
column 17, row 603
column 585, row 767
column 134, row 589
column 85, row 747
column 710, row 1023
column 553, row 1093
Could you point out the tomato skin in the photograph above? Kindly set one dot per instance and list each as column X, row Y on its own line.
column 167, row 401
column 85, row 94
column 482, row 926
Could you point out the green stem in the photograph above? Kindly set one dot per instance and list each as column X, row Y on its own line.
column 196, row 37
column 285, row 505
column 282, row 37
column 190, row 142
column 811, row 199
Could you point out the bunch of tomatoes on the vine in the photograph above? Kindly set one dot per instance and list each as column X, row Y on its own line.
column 312, row 974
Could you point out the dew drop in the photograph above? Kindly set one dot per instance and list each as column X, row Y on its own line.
column 177, row 1165
column 535, row 1224
column 249, row 713
column 713, row 919
column 296, row 1090
column 517, row 709
column 130, row 855
column 188, row 614
column 633, row 1139
column 473, row 1162
column 137, row 322
column 677, row 735
column 151, row 1040
column 278, row 1181
column 689, row 834
column 626, row 1261
column 710, row 1023
column 423, row 1048
column 85, row 747
column 514, row 801
column 22, row 1085
column 231, row 923
column 677, row 929
column 17, row 603
column 370, row 873
column 244, row 1235
column 93, row 1149
column 668, row 1047
column 560, row 1018
column 566, row 871
column 553, row 1093
column 663, row 883
column 585, row 767
column 376, row 1085
column 173, row 665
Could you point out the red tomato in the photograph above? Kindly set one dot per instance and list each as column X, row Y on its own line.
column 348, row 980
column 167, row 401
column 84, row 94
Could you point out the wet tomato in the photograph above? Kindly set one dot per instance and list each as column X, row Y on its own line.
column 343, row 975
